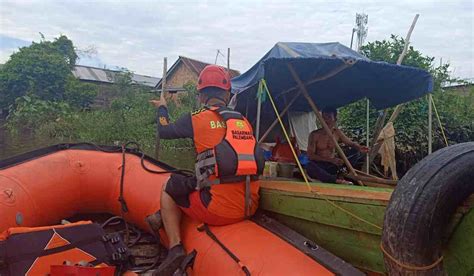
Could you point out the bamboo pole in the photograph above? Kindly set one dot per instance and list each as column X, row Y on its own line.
column 321, row 120
column 376, row 146
column 372, row 179
column 331, row 74
column 228, row 60
column 162, row 95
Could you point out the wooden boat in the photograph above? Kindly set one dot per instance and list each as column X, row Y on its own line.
column 344, row 232
column 44, row 186
column 412, row 230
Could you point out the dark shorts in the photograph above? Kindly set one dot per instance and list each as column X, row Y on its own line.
column 179, row 187
column 192, row 202
column 324, row 171
column 327, row 171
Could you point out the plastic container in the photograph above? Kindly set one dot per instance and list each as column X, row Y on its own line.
column 271, row 169
column 286, row 169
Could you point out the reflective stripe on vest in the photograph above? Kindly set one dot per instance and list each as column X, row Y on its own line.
column 246, row 157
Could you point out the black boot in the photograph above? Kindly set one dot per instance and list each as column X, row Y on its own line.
column 175, row 257
column 155, row 222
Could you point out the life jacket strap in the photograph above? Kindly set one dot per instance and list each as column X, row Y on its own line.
column 247, row 197
column 229, row 114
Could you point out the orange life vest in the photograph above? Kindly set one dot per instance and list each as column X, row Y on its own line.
column 235, row 157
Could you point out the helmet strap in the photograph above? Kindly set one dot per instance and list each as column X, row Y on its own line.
column 215, row 97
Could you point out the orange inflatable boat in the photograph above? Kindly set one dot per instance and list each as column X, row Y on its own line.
column 44, row 186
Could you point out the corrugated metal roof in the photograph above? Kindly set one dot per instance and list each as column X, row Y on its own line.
column 145, row 80
column 108, row 76
column 93, row 74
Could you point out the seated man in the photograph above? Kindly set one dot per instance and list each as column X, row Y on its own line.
column 227, row 158
column 323, row 164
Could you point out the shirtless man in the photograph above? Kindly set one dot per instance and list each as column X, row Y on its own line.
column 324, row 164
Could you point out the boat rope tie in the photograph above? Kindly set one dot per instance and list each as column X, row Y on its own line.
column 205, row 228
column 410, row 267
column 264, row 86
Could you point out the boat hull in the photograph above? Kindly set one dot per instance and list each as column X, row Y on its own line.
column 346, row 236
column 46, row 187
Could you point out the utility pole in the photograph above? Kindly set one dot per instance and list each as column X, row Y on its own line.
column 228, row 60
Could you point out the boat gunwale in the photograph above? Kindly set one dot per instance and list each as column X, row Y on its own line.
column 335, row 192
column 38, row 153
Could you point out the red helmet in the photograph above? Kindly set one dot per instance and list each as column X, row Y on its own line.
column 214, row 76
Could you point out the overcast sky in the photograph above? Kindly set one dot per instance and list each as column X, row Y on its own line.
column 138, row 34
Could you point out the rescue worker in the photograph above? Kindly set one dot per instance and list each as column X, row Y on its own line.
column 228, row 162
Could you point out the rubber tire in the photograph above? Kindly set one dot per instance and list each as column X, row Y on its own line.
column 421, row 206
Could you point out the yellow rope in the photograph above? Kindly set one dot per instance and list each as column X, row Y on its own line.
column 411, row 267
column 301, row 168
column 439, row 121
column 264, row 83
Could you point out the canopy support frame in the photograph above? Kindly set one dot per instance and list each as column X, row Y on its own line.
column 376, row 146
column 282, row 113
column 321, row 120
column 345, row 65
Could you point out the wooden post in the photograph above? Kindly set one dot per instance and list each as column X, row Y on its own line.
column 376, row 146
column 283, row 112
column 163, row 79
column 228, row 60
column 321, row 120
column 162, row 94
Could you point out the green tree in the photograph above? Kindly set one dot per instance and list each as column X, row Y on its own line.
column 411, row 125
column 79, row 94
column 40, row 70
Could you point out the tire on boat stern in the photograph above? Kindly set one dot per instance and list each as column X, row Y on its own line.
column 421, row 207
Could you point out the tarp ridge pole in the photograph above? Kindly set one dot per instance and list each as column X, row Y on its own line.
column 396, row 111
column 321, row 120
column 334, row 72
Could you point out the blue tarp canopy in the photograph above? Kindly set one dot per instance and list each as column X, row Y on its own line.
column 347, row 77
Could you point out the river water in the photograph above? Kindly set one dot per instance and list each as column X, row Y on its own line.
column 11, row 146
